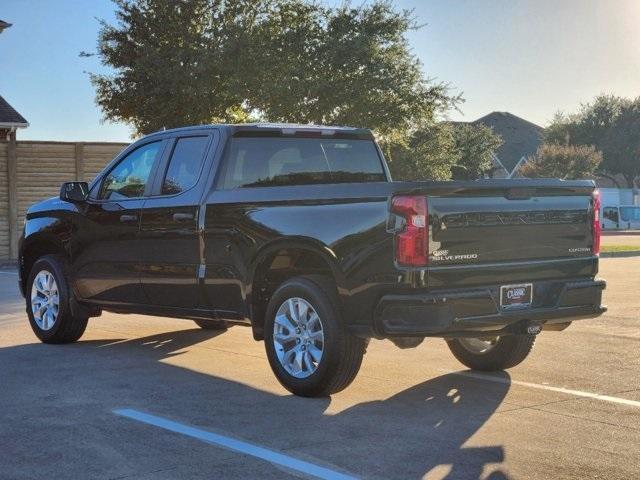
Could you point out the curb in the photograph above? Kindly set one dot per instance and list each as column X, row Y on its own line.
column 631, row 253
column 620, row 233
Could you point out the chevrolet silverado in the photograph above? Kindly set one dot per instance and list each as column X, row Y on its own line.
column 300, row 233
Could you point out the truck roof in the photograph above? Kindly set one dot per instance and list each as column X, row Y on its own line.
column 278, row 129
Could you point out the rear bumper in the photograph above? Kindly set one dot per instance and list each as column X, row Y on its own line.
column 472, row 311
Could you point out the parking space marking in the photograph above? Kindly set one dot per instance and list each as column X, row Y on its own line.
column 239, row 446
column 577, row 393
column 5, row 272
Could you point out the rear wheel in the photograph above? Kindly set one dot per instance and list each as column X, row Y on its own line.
column 211, row 324
column 308, row 348
column 48, row 302
column 491, row 353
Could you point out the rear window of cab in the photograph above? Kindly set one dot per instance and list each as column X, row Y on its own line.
column 271, row 161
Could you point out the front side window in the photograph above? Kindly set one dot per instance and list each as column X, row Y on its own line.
column 268, row 161
column 129, row 178
column 185, row 165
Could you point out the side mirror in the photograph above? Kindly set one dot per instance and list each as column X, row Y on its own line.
column 74, row 192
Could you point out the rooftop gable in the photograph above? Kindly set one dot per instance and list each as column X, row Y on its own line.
column 520, row 137
column 9, row 117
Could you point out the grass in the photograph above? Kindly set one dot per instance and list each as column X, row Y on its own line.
column 619, row 248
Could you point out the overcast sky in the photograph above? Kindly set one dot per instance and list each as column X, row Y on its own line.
column 528, row 57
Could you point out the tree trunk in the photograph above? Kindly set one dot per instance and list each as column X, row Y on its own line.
column 630, row 180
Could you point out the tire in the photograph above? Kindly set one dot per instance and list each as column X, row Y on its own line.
column 62, row 326
column 211, row 324
column 507, row 351
column 341, row 352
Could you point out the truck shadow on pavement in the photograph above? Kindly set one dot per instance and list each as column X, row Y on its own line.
column 418, row 431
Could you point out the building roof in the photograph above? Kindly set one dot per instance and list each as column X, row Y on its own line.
column 9, row 117
column 520, row 137
column 4, row 25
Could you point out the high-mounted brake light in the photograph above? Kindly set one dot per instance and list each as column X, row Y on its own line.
column 412, row 243
column 596, row 228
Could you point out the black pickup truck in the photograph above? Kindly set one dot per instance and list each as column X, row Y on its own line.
column 300, row 233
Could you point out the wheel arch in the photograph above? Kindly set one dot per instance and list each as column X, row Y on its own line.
column 281, row 260
column 36, row 246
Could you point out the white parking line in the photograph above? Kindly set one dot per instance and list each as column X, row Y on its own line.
column 235, row 445
column 577, row 393
column 5, row 272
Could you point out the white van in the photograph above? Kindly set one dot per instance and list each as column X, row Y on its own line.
column 622, row 217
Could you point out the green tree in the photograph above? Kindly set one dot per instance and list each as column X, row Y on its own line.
column 179, row 62
column 562, row 161
column 474, row 145
column 442, row 151
column 611, row 124
column 621, row 145
column 428, row 154
column 589, row 125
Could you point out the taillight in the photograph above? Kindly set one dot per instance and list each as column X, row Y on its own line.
column 596, row 228
column 412, row 243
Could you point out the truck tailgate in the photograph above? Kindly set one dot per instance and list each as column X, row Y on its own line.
column 479, row 229
column 506, row 221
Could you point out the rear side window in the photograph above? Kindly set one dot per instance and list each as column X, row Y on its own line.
column 185, row 165
column 128, row 179
column 268, row 161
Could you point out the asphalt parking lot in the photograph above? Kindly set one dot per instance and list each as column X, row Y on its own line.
column 154, row 398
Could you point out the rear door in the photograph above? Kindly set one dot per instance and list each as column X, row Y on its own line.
column 169, row 231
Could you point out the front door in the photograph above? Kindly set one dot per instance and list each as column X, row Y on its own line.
column 169, row 231
column 107, row 257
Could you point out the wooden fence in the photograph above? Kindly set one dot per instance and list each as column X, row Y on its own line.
column 34, row 170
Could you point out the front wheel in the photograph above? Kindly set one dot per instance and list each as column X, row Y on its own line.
column 307, row 345
column 48, row 302
column 492, row 354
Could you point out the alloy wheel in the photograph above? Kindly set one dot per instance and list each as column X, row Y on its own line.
column 45, row 300
column 298, row 337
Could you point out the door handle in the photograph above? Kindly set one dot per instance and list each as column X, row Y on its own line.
column 182, row 217
column 128, row 218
